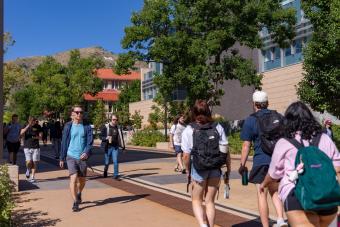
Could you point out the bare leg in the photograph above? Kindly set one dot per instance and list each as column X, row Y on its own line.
column 197, row 201
column 81, row 184
column 73, row 186
column 263, row 206
column 276, row 200
column 212, row 186
column 298, row 218
column 34, row 168
column 179, row 161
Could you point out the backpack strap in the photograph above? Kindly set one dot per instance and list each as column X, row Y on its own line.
column 296, row 143
column 316, row 140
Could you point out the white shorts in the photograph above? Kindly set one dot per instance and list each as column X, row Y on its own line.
column 32, row 154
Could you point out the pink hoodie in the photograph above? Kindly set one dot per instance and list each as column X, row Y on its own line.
column 283, row 161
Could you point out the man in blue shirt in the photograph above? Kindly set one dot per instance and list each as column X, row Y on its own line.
column 12, row 132
column 251, row 134
column 76, row 147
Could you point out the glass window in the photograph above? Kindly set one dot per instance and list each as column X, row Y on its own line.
column 298, row 46
column 267, row 55
column 277, row 53
column 288, row 51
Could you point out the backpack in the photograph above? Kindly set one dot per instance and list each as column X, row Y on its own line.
column 205, row 152
column 270, row 130
column 317, row 187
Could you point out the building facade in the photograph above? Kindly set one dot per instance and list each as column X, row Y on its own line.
column 112, row 84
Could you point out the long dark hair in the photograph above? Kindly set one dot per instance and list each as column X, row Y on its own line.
column 298, row 117
column 201, row 112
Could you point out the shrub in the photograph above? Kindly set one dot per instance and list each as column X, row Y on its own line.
column 147, row 138
column 6, row 200
column 235, row 143
column 336, row 135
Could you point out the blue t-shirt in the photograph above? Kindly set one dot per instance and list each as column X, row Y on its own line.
column 13, row 134
column 77, row 142
column 250, row 132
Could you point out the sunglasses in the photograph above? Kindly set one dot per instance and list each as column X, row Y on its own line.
column 78, row 112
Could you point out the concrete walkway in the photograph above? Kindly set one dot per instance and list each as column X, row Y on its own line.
column 150, row 192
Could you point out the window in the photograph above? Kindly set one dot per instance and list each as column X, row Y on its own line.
column 298, row 46
column 277, row 53
column 266, row 55
column 288, row 51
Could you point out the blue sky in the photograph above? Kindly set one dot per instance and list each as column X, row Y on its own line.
column 45, row 27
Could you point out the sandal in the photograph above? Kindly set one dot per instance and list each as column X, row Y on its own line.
column 177, row 170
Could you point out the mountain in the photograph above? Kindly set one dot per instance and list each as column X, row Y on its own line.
column 30, row 63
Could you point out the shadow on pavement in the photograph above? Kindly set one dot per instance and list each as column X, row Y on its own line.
column 136, row 175
column 134, row 170
column 24, row 185
column 122, row 199
column 253, row 223
column 31, row 218
column 27, row 217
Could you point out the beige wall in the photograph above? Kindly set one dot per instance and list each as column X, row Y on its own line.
column 280, row 84
column 144, row 107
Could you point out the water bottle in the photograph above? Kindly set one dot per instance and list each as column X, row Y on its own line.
column 245, row 177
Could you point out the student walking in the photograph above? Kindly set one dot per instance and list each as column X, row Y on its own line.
column 12, row 132
column 328, row 128
column 55, row 136
column 175, row 141
column 204, row 140
column 45, row 130
column 76, row 145
column 112, row 141
column 253, row 130
column 306, row 153
column 32, row 132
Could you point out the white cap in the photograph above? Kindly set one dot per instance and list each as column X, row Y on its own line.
column 260, row 96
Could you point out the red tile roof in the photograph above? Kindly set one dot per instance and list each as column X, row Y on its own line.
column 108, row 74
column 106, row 95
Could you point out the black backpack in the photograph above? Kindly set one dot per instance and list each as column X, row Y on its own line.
column 270, row 129
column 205, row 152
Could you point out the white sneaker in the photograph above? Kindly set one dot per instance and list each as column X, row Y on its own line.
column 27, row 174
column 32, row 180
column 281, row 223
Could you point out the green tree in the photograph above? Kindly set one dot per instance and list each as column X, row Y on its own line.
column 15, row 78
column 321, row 83
column 129, row 93
column 8, row 41
column 55, row 87
column 99, row 114
column 194, row 40
column 136, row 119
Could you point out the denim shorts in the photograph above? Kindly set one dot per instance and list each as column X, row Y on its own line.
column 178, row 149
column 202, row 175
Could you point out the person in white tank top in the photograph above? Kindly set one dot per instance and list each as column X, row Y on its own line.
column 176, row 140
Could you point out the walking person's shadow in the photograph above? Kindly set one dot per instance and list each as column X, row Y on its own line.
column 121, row 199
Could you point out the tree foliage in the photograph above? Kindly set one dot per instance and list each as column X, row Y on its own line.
column 321, row 83
column 136, row 119
column 55, row 87
column 194, row 39
column 14, row 79
column 130, row 93
column 99, row 114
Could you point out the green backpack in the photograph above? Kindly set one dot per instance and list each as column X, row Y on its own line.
column 317, row 187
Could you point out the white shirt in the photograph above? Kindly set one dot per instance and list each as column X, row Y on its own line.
column 187, row 141
column 176, row 132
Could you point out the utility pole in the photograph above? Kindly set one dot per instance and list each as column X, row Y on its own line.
column 1, row 76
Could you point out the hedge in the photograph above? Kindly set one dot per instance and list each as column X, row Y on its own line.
column 147, row 138
column 6, row 199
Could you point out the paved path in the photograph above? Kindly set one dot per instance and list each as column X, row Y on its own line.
column 150, row 193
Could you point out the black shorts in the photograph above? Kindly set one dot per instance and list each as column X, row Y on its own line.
column 13, row 147
column 292, row 203
column 76, row 166
column 258, row 173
